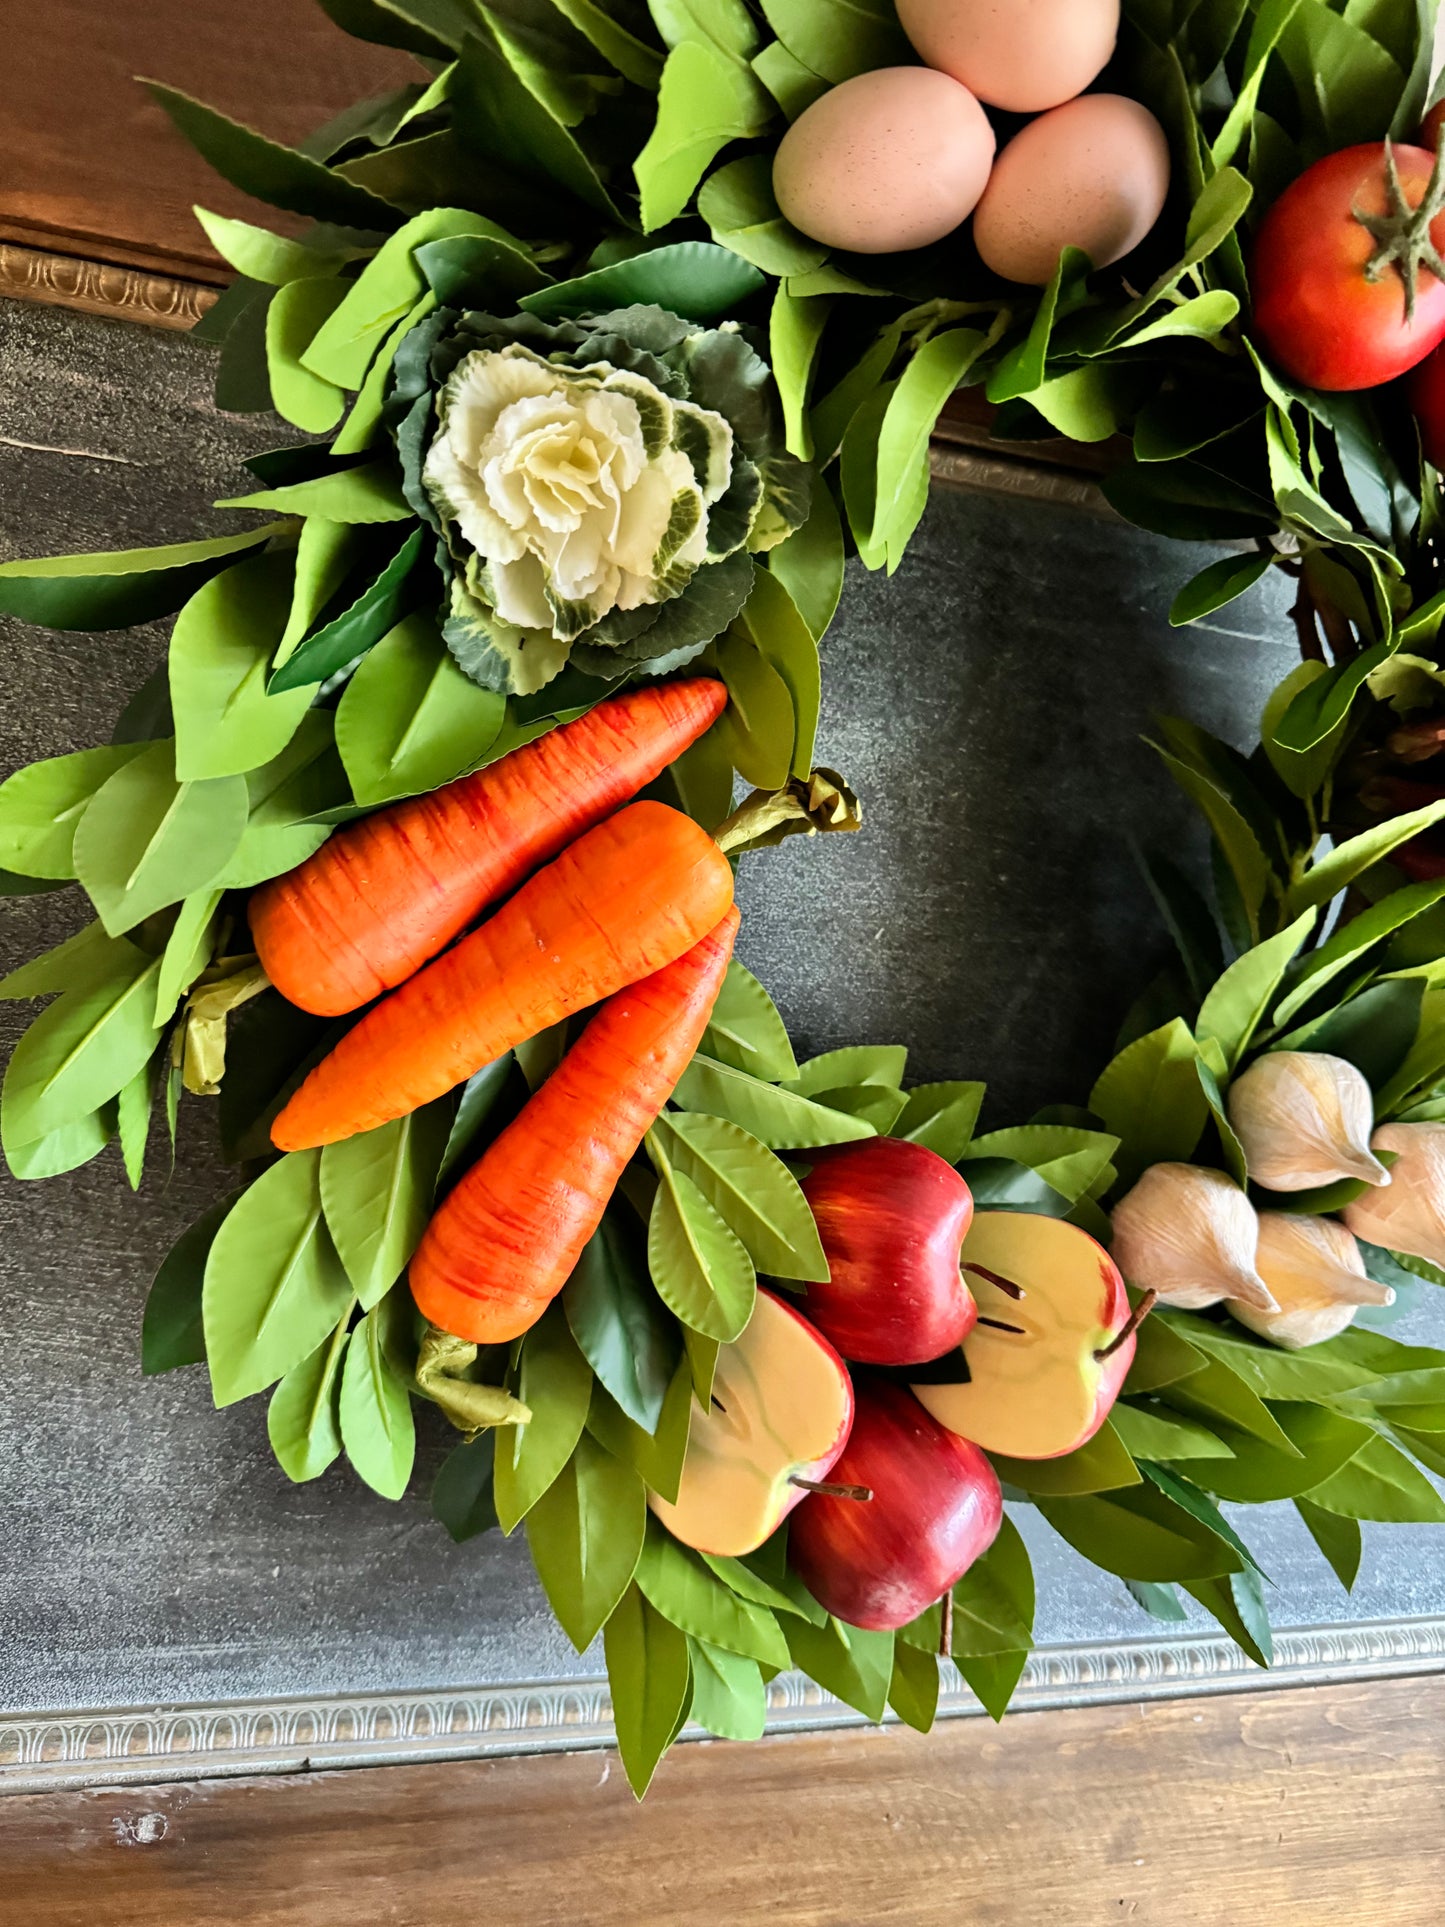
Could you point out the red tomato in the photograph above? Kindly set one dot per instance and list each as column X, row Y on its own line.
column 1321, row 317
column 1427, row 404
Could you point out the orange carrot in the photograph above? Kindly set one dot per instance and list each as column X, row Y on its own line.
column 507, row 1238
column 387, row 893
column 625, row 899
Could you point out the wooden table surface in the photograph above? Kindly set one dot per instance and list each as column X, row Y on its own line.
column 1291, row 1809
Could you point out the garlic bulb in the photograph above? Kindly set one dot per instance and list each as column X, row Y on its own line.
column 1410, row 1216
column 1189, row 1234
column 1314, row 1268
column 1304, row 1119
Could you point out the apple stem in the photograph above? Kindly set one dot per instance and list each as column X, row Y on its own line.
column 997, row 1324
column 862, row 1493
column 1136, row 1318
column 945, row 1638
column 1006, row 1285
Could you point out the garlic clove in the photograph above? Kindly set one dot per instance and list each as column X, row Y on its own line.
column 1304, row 1119
column 1314, row 1269
column 1410, row 1216
column 1189, row 1234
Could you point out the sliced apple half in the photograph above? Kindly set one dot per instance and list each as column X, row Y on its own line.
column 1053, row 1342
column 781, row 1412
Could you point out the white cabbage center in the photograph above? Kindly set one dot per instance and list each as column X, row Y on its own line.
column 572, row 488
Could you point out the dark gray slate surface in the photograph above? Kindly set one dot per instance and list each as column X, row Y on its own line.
column 986, row 703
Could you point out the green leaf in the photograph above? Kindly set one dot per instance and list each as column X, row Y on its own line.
column 376, row 1189
column 586, row 1533
column 133, row 1121
column 1102, row 1465
column 1352, row 940
column 219, row 658
column 409, row 720
column 993, row 1603
column 1151, row 1433
column 1238, row 1604
column 376, row 1422
column 118, row 589
column 353, row 495
column 656, row 1456
column 1335, row 871
column 649, row 1674
column 1339, row 1539
column 1150, row 1099
column 1162, row 1357
column 774, row 624
column 303, row 1419
column 993, row 1679
column 274, row 1286
column 41, row 805
column 779, row 1119
column 147, row 840
column 1217, row 1393
column 1312, row 1374
column 1235, row 1007
column 295, row 314
column 555, row 1382
column 1374, row 1030
column 1141, row 1534
column 746, row 1031
column 281, row 175
column 751, row 1190
column 913, row 1689
column 355, row 630
column 188, row 950
column 795, row 330
column 259, row 255
column 488, row 1101
column 759, row 727
column 883, row 1064
column 689, row 278
column 1241, row 849
column 941, row 1117
column 809, row 564
column 839, row 38
column 1214, row 588
column 362, row 426
column 1069, row 1159
column 930, row 377
column 81, row 1051
column 706, row 100
column 678, row 1583
column 739, row 205
column 1380, row 1483
column 65, row 1148
column 728, row 1695
column 171, row 1331
column 700, row 1267
column 383, row 294
column 1323, row 1441
column 855, row 1666
column 614, row 1316
column 462, row 1497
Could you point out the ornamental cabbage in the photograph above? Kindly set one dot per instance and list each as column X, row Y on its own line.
column 598, row 487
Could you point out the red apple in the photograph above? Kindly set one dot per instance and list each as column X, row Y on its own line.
column 936, row 1507
column 782, row 1406
column 1054, row 1341
column 891, row 1216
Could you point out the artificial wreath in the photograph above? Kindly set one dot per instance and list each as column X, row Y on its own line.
column 608, row 338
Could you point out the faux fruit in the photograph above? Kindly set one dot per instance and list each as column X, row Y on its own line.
column 892, row 1217
column 1092, row 175
column 1314, row 1269
column 1054, row 1341
column 1303, row 1119
column 887, row 161
column 1023, row 55
column 1410, row 1215
column 1427, row 404
column 1346, row 274
column 782, row 1406
column 1190, row 1235
column 936, row 1507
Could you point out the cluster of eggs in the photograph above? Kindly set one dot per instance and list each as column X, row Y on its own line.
column 899, row 158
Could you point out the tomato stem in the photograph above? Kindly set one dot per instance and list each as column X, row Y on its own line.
column 1402, row 234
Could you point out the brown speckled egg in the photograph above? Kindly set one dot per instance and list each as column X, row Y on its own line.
column 891, row 160
column 1093, row 174
column 1024, row 55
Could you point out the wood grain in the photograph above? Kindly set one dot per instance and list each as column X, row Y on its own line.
column 90, row 165
column 1288, row 1808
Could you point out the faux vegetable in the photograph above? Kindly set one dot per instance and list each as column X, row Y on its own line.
column 507, row 1238
column 1346, row 275
column 628, row 897
column 384, row 895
